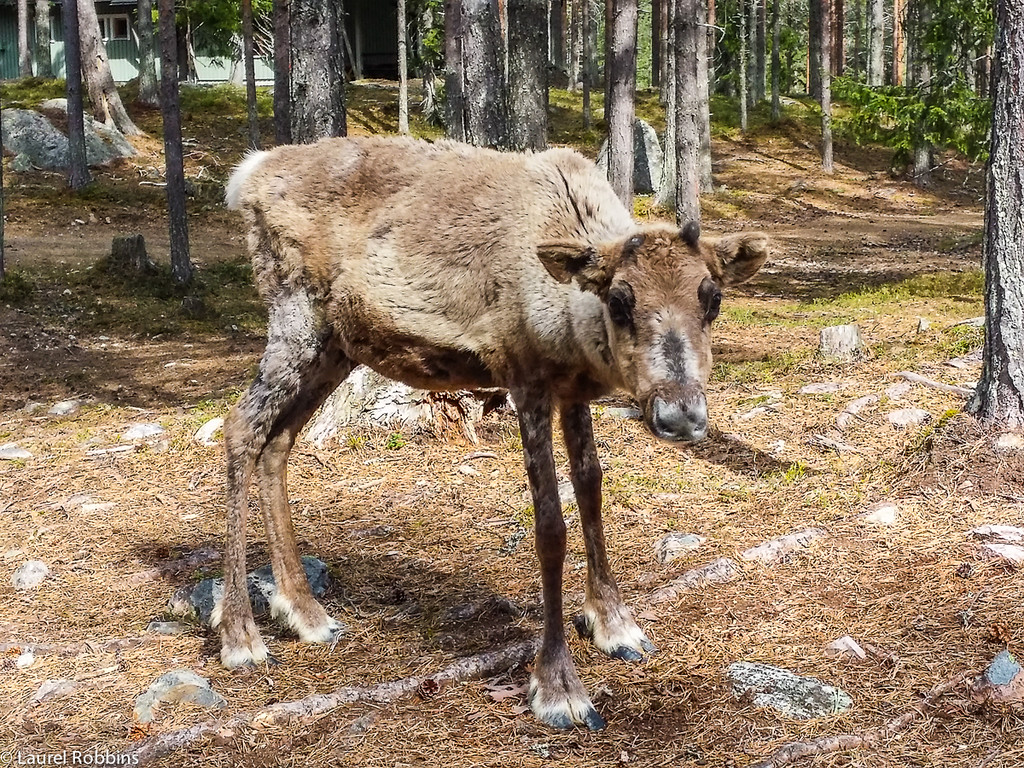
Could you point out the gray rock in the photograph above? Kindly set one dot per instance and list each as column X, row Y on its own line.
column 1002, row 681
column 167, row 627
column 840, row 342
column 674, row 545
column 30, row 575
column 648, row 158
column 180, row 685
column 852, row 409
column 566, row 494
column 776, row 550
column 200, row 599
column 57, row 105
column 822, row 388
column 923, row 325
column 64, row 408
column 204, row 435
column 36, row 143
column 1008, row 443
column 623, row 413
column 53, row 689
column 898, row 390
column 882, row 513
column 908, row 417
column 802, row 698
column 141, row 432
column 1005, row 534
column 12, row 452
column 717, row 571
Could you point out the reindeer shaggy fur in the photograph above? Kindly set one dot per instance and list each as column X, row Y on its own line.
column 446, row 266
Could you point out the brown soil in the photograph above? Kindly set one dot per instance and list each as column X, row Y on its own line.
column 408, row 535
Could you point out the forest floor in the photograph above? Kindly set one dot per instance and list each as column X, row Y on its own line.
column 397, row 518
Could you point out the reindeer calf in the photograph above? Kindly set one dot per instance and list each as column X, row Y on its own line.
column 447, row 267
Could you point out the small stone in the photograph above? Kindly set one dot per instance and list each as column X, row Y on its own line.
column 822, row 388
column 167, row 627
column 853, row 408
column 792, row 695
column 752, row 413
column 846, row 646
column 204, row 435
column 882, row 513
column 775, row 550
column 1011, row 553
column 25, row 660
column 11, row 452
column 566, row 494
column 180, row 685
column 717, row 571
column 1009, row 442
column 53, row 689
column 842, row 342
column 141, row 432
column 65, row 408
column 32, row 406
column 469, row 469
column 30, row 575
column 675, row 545
column 1005, row 534
column 923, row 325
column 908, row 417
column 898, row 390
column 1002, row 681
column 623, row 413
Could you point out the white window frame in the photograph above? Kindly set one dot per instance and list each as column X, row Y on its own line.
column 107, row 21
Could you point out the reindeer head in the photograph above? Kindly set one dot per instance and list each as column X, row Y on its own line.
column 661, row 289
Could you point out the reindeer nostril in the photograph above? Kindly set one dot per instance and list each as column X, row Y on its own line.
column 679, row 419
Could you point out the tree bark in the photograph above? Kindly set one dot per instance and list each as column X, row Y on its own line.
column 742, row 75
column 815, row 24
column 24, row 52
column 485, row 104
column 621, row 108
column 776, row 62
column 282, row 78
column 687, row 34
column 454, row 74
column 106, row 101
column 181, row 262
column 899, row 42
column 78, row 168
column 703, row 104
column 920, row 69
column 838, row 17
column 250, row 75
column 44, row 64
column 858, row 36
column 999, row 397
column 149, row 91
column 666, row 196
column 403, row 72
column 528, row 72
column 317, row 70
column 656, row 39
column 556, row 33
column 826, row 88
column 876, row 40
column 428, row 106
column 667, row 77
column 588, row 63
column 752, row 89
column 760, row 58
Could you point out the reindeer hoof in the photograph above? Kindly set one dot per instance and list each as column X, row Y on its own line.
column 561, row 701
column 567, row 716
column 623, row 640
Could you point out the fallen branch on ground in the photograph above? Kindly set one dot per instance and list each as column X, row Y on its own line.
column 306, row 709
column 797, row 750
column 917, row 378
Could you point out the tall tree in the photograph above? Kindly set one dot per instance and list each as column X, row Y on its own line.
column 742, row 75
column 455, row 71
column 589, row 41
column 666, row 193
column 78, row 168
column 703, row 104
column 282, row 73
column 556, row 33
column 427, row 60
column 479, row 111
column 667, row 76
column 776, row 61
column 838, row 17
column 656, row 39
column 44, row 64
column 620, row 110
column 899, row 41
column 876, row 42
column 761, row 52
column 181, row 261
column 106, row 101
column 815, row 25
column 575, row 43
column 687, row 33
column 252, row 118
column 858, row 36
column 317, row 70
column 999, row 396
column 24, row 52
column 528, row 71
column 919, row 73
column 403, row 70
column 826, row 87
column 149, row 91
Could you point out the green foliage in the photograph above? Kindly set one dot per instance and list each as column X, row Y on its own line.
column 968, row 285
column 224, row 99
column 395, row 441
column 15, row 287
column 29, row 92
column 216, row 25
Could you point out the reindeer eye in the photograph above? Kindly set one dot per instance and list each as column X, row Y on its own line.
column 620, row 305
column 710, row 296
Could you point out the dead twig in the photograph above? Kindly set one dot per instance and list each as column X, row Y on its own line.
column 315, row 705
column 797, row 750
column 926, row 382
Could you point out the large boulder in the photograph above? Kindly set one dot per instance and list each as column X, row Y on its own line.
column 36, row 142
column 647, row 158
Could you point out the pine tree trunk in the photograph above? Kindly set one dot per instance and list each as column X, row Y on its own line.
column 667, row 76
column 838, row 17
column 711, row 40
column 78, row 168
column 620, row 111
column 826, row 88
column 44, row 63
column 588, row 63
column 703, row 104
column 858, row 36
column 762, row 53
column 999, row 397
column 752, row 90
column 687, row 32
column 656, row 38
column 454, row 71
column 528, row 73
column 282, row 78
column 485, row 103
column 24, row 52
column 666, row 195
column 428, row 106
column 899, row 42
column 576, row 48
column 403, row 71
column 556, row 33
column 815, row 24
column 742, row 74
column 250, row 75
column 149, row 90
column 106, row 102
column 876, row 41
column 181, row 262
column 921, row 68
column 317, row 70
column 776, row 61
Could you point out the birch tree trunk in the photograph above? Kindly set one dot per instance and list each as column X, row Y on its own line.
column 876, row 42
column 687, row 146
column 24, row 52
column 181, row 262
column 575, row 45
column 667, row 77
column 252, row 118
column 106, row 101
column 403, row 71
column 44, row 64
column 428, row 106
column 528, row 72
column 999, row 397
column 149, row 90
column 621, row 108
column 826, row 88
column 282, row 78
column 752, row 90
column 78, row 168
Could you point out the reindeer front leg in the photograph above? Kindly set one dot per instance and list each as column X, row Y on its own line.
column 605, row 620
column 557, row 697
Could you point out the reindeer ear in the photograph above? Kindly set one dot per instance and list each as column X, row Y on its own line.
column 739, row 257
column 567, row 261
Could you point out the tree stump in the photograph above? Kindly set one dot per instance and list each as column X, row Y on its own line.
column 128, row 255
column 842, row 342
